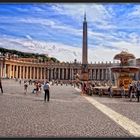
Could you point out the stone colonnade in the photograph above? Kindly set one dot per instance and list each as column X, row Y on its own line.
column 57, row 71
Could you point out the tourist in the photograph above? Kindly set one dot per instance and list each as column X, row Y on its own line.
column 122, row 90
column 138, row 90
column 1, row 86
column 132, row 90
column 39, row 85
column 83, row 86
column 90, row 89
column 110, row 91
column 34, row 88
column 25, row 87
column 47, row 91
column 20, row 82
column 37, row 88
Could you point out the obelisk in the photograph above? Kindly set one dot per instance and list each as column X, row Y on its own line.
column 84, row 73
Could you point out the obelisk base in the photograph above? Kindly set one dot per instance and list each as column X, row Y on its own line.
column 84, row 76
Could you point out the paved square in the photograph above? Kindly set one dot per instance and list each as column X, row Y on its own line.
column 68, row 114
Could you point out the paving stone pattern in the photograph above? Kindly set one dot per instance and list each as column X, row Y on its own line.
column 130, row 109
column 68, row 114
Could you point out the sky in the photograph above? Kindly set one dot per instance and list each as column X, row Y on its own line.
column 56, row 29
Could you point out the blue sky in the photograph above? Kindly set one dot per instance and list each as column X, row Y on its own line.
column 38, row 27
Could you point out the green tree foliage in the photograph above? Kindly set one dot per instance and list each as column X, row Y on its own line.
column 40, row 57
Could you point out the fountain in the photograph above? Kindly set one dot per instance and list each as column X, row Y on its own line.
column 124, row 72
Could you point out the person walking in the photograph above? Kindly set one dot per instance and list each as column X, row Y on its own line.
column 138, row 90
column 20, row 81
column 132, row 92
column 39, row 85
column 46, row 88
column 37, row 88
column 122, row 90
column 25, row 87
column 1, row 86
column 130, row 87
column 110, row 91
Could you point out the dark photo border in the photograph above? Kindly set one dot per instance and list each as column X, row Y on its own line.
column 74, row 2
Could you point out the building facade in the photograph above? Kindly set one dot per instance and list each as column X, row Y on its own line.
column 33, row 69
column 24, row 69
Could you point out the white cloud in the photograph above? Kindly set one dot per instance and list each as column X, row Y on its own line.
column 135, row 12
column 98, row 16
column 96, row 13
column 68, row 53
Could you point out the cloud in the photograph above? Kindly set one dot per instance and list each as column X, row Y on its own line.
column 96, row 13
column 38, row 27
column 135, row 12
column 68, row 53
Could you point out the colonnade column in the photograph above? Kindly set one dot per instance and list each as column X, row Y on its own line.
column 95, row 74
column 44, row 73
column 51, row 73
column 98, row 74
column 41, row 73
column 30, row 72
column 59, row 73
column 37, row 73
column 10, row 71
column 33, row 72
column 48, row 74
column 4, row 70
column 72, row 74
column 90, row 74
column 17, row 71
column 66, row 73
column 23, row 72
column 54, row 73
column 27, row 72
column 107, row 75
column 62, row 73
column 13, row 71
column 102, row 74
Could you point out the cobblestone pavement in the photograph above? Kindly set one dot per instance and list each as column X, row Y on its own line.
column 123, row 106
column 67, row 114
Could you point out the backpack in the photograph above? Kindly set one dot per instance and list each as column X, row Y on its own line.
column 108, row 89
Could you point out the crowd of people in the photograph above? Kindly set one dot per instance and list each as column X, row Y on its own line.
column 38, row 86
column 87, row 87
column 134, row 90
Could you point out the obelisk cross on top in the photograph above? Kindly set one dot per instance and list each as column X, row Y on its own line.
column 84, row 52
